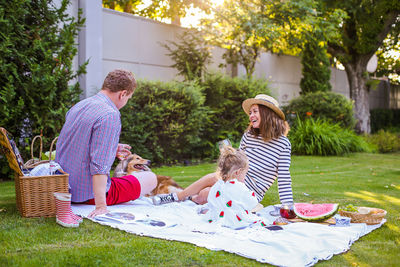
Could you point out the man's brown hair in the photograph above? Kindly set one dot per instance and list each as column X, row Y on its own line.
column 119, row 80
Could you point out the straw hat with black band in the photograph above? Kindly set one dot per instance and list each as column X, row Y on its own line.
column 264, row 100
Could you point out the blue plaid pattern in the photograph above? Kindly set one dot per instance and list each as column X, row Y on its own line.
column 88, row 142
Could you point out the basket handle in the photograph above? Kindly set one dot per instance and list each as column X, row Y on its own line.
column 40, row 148
column 51, row 147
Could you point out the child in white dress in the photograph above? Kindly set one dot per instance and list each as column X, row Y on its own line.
column 229, row 201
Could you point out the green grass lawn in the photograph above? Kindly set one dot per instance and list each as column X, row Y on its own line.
column 360, row 179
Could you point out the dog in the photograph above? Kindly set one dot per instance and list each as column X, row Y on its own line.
column 135, row 163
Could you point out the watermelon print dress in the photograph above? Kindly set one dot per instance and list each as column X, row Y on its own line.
column 230, row 204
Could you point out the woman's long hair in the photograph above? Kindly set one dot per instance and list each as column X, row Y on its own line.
column 271, row 125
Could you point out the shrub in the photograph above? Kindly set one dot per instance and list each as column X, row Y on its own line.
column 330, row 106
column 385, row 141
column 321, row 137
column 224, row 97
column 37, row 48
column 385, row 119
column 163, row 120
column 316, row 71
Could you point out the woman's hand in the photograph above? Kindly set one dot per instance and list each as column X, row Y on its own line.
column 123, row 151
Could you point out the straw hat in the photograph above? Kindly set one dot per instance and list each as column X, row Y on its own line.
column 264, row 100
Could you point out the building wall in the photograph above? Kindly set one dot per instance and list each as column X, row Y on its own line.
column 133, row 43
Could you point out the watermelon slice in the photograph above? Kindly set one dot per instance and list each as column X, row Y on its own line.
column 315, row 212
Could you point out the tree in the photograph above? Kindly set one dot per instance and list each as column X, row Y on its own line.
column 157, row 10
column 316, row 71
column 389, row 59
column 127, row 6
column 37, row 48
column 362, row 33
column 191, row 55
column 353, row 30
column 232, row 29
column 238, row 27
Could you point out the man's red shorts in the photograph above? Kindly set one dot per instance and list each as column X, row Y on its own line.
column 122, row 189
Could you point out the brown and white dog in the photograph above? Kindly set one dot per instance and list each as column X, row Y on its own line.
column 135, row 163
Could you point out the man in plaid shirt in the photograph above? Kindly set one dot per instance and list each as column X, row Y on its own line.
column 88, row 145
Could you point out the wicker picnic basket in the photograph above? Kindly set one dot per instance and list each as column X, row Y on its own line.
column 34, row 194
column 375, row 216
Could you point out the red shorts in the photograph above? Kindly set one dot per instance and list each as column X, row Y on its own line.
column 122, row 189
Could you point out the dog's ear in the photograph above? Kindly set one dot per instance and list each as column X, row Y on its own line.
column 119, row 171
column 125, row 163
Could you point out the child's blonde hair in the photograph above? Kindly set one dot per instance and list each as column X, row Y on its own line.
column 229, row 161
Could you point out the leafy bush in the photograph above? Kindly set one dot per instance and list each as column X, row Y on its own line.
column 37, row 48
column 321, row 137
column 316, row 71
column 163, row 120
column 385, row 141
column 330, row 106
column 224, row 97
column 168, row 122
column 385, row 119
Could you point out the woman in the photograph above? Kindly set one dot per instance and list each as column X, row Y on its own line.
column 267, row 148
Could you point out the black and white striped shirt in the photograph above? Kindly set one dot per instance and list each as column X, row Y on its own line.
column 267, row 162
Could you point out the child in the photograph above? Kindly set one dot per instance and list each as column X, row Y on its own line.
column 229, row 201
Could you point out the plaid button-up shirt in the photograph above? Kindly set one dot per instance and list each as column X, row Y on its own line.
column 88, row 142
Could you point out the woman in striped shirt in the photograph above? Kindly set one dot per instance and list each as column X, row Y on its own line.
column 267, row 148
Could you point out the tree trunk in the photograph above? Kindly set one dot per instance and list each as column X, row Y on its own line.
column 359, row 93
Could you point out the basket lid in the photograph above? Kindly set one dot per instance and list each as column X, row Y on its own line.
column 8, row 148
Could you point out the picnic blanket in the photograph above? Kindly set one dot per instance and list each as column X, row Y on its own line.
column 298, row 244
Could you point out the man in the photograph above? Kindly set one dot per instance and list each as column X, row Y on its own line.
column 88, row 145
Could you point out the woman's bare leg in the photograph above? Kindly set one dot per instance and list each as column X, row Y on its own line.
column 195, row 188
column 147, row 180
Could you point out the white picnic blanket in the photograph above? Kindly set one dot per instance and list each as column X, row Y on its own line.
column 298, row 244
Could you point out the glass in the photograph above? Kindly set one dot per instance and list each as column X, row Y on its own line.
column 276, row 211
column 286, row 211
column 225, row 142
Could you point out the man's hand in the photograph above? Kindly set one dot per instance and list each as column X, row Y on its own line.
column 98, row 211
column 99, row 191
column 123, row 151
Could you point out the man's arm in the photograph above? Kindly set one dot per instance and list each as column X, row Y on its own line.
column 99, row 190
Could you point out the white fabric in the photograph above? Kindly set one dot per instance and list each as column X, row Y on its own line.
column 298, row 244
column 229, row 204
column 45, row 169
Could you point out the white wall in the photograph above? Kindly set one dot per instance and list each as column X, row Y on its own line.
column 133, row 43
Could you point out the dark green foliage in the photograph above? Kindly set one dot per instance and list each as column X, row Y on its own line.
column 325, row 105
column 316, row 71
column 323, row 138
column 37, row 47
column 384, row 119
column 385, row 141
column 224, row 97
column 191, row 55
column 169, row 122
column 163, row 120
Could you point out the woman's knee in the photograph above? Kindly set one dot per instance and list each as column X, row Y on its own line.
column 201, row 198
column 147, row 180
